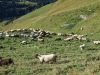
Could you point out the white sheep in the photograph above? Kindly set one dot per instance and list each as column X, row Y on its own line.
column 96, row 42
column 59, row 34
column 79, row 37
column 81, row 28
column 51, row 58
column 23, row 42
column 41, row 40
column 82, row 46
column 68, row 39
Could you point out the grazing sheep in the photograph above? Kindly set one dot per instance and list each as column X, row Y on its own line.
column 7, row 35
column 59, row 34
column 40, row 38
column 84, row 17
column 84, row 39
column 96, row 42
column 81, row 28
column 82, row 46
column 68, row 39
column 23, row 42
column 79, row 37
column 6, row 61
column 42, row 33
column 46, row 58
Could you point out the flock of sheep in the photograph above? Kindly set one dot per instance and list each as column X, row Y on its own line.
column 39, row 36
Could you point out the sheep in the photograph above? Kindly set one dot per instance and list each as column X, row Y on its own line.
column 6, row 61
column 7, row 35
column 83, row 39
column 81, row 28
column 41, row 40
column 84, row 17
column 79, row 37
column 42, row 33
column 82, row 46
column 23, row 42
column 68, row 39
column 96, row 42
column 59, row 34
column 51, row 58
column 47, row 34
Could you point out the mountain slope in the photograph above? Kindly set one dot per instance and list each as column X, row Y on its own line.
column 62, row 16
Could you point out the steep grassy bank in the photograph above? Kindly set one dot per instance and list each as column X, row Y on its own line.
column 70, row 21
column 26, row 20
column 62, row 16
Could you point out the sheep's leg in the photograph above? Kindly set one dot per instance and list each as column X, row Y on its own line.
column 41, row 61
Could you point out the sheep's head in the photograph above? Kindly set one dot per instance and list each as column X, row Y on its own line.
column 37, row 56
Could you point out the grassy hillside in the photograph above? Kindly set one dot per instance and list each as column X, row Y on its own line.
column 61, row 16
column 29, row 17
column 62, row 12
column 70, row 59
column 72, row 20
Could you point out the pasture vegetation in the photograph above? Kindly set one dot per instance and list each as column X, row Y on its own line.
column 62, row 16
column 51, row 17
column 70, row 60
column 72, row 21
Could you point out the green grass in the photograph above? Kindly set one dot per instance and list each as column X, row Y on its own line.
column 51, row 17
column 28, row 18
column 35, row 13
column 3, row 24
column 71, row 60
column 72, row 20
